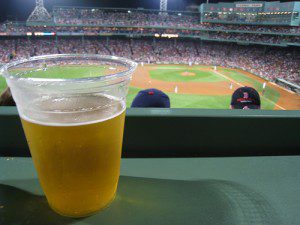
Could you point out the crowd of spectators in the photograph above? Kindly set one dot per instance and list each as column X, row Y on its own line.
column 12, row 27
column 272, row 63
column 271, row 39
column 90, row 16
column 99, row 18
column 219, row 35
column 250, row 17
column 254, row 28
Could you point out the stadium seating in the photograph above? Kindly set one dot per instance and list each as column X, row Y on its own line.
column 90, row 16
column 271, row 64
column 137, row 34
column 213, row 34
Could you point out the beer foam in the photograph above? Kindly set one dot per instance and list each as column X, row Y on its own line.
column 73, row 110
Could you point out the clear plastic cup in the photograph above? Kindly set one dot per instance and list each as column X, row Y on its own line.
column 72, row 109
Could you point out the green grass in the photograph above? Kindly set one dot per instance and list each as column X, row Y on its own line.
column 180, row 66
column 195, row 101
column 199, row 101
column 132, row 92
column 270, row 93
column 175, row 75
column 177, row 100
column 2, row 84
column 188, row 100
column 67, row 72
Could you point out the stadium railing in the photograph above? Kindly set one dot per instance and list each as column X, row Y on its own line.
column 285, row 83
column 55, row 8
column 186, row 133
column 126, row 34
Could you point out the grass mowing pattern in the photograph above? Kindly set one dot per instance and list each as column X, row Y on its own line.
column 175, row 75
column 66, row 72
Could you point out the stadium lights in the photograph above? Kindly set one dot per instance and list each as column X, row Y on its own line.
column 129, row 11
column 179, row 14
column 93, row 10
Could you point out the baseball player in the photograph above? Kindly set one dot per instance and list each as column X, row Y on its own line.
column 264, row 88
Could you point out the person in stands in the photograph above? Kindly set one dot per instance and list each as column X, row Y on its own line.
column 245, row 98
column 151, row 98
column 6, row 98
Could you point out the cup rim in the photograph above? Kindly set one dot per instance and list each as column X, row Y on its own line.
column 129, row 63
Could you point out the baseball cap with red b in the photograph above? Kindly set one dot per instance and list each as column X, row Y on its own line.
column 245, row 98
column 152, row 98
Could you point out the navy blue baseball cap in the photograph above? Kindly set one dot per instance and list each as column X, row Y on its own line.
column 245, row 98
column 151, row 98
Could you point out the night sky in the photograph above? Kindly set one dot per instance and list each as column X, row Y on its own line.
column 20, row 9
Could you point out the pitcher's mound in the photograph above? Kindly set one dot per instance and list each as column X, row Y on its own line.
column 187, row 74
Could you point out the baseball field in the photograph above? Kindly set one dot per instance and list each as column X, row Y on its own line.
column 187, row 86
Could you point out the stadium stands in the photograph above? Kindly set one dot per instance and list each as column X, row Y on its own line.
column 232, row 36
column 137, row 34
column 19, row 27
column 122, row 17
column 142, row 18
column 269, row 63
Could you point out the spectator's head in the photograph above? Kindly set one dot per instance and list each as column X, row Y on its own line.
column 245, row 98
column 151, row 98
column 6, row 98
